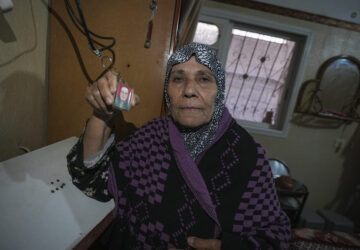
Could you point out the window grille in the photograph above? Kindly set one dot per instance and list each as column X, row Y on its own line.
column 263, row 61
column 256, row 72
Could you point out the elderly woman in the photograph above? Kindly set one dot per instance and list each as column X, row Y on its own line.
column 192, row 179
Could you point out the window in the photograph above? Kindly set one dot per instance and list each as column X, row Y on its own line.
column 256, row 69
column 263, row 63
column 206, row 33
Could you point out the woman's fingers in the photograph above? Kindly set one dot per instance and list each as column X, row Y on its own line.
column 101, row 101
column 199, row 243
column 90, row 99
column 103, row 94
column 112, row 81
column 100, row 94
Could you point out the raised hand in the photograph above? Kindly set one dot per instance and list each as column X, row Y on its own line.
column 100, row 95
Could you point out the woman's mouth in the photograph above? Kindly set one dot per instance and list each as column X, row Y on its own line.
column 189, row 108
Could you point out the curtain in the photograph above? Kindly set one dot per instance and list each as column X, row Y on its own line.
column 189, row 15
column 188, row 18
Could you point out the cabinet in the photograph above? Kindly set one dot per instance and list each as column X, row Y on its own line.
column 143, row 68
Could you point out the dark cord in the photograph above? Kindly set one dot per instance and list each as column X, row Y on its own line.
column 76, row 48
column 83, row 24
column 84, row 29
column 72, row 40
column 77, row 22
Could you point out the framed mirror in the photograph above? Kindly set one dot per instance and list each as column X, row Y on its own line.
column 336, row 90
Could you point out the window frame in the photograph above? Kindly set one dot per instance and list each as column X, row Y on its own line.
column 229, row 19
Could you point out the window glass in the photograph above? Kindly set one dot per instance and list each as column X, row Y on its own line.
column 206, row 33
column 256, row 69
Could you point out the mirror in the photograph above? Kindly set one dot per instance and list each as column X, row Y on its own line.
column 339, row 85
column 335, row 91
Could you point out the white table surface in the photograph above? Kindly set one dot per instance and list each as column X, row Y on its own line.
column 31, row 216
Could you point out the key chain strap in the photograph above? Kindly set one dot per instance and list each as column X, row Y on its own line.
column 81, row 21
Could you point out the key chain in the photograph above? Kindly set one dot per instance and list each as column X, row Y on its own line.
column 153, row 7
column 124, row 93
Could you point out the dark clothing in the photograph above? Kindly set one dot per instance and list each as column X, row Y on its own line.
column 162, row 196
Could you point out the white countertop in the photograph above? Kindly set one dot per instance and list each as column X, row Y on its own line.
column 34, row 217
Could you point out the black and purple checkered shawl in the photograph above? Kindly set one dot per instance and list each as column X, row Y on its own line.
column 162, row 196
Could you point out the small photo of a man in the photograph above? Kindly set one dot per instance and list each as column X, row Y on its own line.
column 123, row 97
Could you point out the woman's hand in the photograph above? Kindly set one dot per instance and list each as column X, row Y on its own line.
column 100, row 96
column 203, row 244
column 208, row 244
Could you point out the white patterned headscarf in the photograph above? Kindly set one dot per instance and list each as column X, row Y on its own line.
column 197, row 139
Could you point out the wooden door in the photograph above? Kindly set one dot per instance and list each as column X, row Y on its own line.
column 143, row 68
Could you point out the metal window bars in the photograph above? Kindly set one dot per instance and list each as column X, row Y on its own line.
column 256, row 74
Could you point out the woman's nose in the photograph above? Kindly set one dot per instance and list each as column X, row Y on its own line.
column 190, row 88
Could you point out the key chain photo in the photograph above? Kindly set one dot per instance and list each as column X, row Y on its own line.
column 124, row 93
column 123, row 96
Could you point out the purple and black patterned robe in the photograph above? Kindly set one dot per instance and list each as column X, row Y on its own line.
column 162, row 196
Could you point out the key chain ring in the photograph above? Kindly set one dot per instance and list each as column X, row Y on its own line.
column 104, row 59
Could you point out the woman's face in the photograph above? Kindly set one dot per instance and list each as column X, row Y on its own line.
column 192, row 91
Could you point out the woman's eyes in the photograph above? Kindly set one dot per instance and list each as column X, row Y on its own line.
column 199, row 79
column 204, row 79
column 177, row 79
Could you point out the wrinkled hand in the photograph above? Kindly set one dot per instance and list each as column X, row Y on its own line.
column 203, row 244
column 100, row 95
